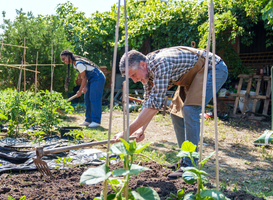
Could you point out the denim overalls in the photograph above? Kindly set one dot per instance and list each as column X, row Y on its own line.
column 93, row 96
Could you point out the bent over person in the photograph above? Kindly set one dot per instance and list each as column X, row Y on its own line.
column 92, row 85
column 182, row 66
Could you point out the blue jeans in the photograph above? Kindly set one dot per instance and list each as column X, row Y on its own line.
column 188, row 128
column 93, row 96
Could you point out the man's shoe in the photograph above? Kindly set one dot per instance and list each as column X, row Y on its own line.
column 84, row 123
column 93, row 125
column 175, row 175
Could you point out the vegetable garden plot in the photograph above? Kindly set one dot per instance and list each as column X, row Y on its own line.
column 12, row 159
column 66, row 184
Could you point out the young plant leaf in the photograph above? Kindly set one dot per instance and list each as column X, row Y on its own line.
column 119, row 149
column 194, row 170
column 189, row 196
column 189, row 177
column 214, row 194
column 95, row 175
column 145, row 193
column 188, row 146
column 181, row 193
column 120, row 172
column 136, row 169
column 183, row 154
column 206, row 159
column 141, row 147
column 114, row 181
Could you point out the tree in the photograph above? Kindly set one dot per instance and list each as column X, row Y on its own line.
column 40, row 33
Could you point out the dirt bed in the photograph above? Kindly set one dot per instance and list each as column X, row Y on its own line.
column 242, row 165
column 65, row 184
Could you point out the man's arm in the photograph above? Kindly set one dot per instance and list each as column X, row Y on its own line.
column 142, row 121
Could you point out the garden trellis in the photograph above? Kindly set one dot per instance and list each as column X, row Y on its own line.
column 23, row 65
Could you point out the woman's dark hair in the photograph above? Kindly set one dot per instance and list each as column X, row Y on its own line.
column 74, row 58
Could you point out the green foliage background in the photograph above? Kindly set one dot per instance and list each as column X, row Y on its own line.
column 151, row 25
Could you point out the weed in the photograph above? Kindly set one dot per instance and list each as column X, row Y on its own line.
column 62, row 161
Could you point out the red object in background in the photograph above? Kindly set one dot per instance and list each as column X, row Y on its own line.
column 207, row 115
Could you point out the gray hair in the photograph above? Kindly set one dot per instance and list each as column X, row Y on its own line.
column 134, row 58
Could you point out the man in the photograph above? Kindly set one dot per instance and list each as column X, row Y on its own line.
column 182, row 66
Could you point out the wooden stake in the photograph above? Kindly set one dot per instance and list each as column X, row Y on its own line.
column 13, row 66
column 36, row 78
column 112, row 96
column 15, row 45
column 214, row 95
column 24, row 65
column 28, row 65
column 2, row 46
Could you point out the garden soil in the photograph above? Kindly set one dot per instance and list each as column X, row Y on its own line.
column 65, row 184
column 239, row 161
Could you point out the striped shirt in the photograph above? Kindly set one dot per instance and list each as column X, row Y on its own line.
column 165, row 67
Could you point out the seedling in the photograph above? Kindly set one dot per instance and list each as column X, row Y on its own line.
column 127, row 152
column 39, row 138
column 62, row 161
column 12, row 198
column 77, row 135
column 194, row 175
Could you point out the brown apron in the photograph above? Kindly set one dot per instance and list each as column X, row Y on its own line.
column 190, row 86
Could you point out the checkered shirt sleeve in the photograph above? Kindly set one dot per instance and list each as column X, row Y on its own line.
column 165, row 67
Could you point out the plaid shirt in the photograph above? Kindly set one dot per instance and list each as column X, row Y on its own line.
column 165, row 67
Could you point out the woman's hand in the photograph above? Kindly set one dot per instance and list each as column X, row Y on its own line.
column 79, row 93
column 84, row 90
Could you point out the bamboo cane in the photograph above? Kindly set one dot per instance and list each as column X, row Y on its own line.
column 51, row 85
column 2, row 46
column 29, row 65
column 17, row 67
column 12, row 45
column 36, row 78
column 24, row 65
column 214, row 95
column 211, row 32
column 112, row 96
column 127, row 133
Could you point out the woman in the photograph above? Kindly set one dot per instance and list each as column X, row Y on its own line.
column 92, row 85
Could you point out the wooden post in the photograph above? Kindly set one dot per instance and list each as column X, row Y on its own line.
column 24, row 64
column 36, row 78
column 1, row 48
column 51, row 85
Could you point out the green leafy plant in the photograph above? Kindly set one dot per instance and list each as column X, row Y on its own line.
column 77, row 135
column 12, row 198
column 64, row 161
column 194, row 175
column 127, row 152
column 39, row 138
column 24, row 109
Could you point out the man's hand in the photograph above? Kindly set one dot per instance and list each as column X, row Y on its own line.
column 139, row 134
column 117, row 136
